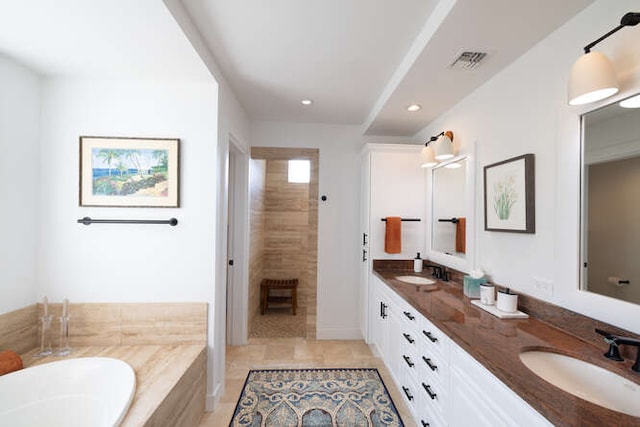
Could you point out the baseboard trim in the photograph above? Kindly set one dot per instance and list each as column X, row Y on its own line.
column 211, row 400
column 338, row 334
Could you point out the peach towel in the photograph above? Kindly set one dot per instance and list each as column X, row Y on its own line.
column 393, row 235
column 10, row 361
column 461, row 235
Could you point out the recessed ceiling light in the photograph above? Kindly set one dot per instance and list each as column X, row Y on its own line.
column 414, row 107
column 306, row 102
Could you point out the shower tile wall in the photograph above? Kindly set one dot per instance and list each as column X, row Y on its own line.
column 303, row 264
column 286, row 228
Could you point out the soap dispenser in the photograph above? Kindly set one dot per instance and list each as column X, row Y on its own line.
column 417, row 264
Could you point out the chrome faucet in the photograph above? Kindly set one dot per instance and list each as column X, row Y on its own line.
column 614, row 353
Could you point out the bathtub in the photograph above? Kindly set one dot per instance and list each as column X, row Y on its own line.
column 91, row 391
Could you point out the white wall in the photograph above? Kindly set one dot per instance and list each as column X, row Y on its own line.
column 338, row 240
column 19, row 172
column 113, row 262
column 397, row 188
column 524, row 110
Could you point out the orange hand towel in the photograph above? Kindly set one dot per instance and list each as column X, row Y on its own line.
column 461, row 235
column 393, row 235
column 10, row 361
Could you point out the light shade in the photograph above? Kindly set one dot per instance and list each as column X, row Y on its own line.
column 427, row 157
column 592, row 78
column 633, row 102
column 444, row 147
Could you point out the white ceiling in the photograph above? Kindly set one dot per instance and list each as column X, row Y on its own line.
column 361, row 61
column 124, row 39
column 364, row 61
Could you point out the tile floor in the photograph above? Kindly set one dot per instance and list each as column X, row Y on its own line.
column 270, row 353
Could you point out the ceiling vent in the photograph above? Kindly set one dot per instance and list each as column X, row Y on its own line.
column 467, row 60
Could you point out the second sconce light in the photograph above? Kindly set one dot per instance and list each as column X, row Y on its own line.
column 438, row 148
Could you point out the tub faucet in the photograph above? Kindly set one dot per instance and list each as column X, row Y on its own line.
column 614, row 353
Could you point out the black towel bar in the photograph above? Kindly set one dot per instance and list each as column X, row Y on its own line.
column 405, row 219
column 87, row 221
column 453, row 220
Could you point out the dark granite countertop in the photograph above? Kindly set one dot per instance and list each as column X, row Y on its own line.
column 496, row 344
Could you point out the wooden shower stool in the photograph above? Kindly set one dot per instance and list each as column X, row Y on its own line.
column 268, row 284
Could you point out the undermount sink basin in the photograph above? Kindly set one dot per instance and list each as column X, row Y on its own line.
column 584, row 380
column 415, row 280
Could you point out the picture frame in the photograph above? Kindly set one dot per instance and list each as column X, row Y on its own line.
column 509, row 195
column 129, row 172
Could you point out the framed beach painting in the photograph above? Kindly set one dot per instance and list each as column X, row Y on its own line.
column 129, row 172
column 509, row 195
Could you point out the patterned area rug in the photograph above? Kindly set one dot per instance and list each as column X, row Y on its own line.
column 315, row 398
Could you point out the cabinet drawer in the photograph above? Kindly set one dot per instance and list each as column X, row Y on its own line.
column 429, row 403
column 409, row 392
column 432, row 340
column 432, row 366
column 428, row 417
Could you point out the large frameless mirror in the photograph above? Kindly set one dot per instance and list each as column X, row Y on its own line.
column 610, row 232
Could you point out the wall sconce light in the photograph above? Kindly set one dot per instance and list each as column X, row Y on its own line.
column 633, row 102
column 442, row 149
column 428, row 157
column 592, row 77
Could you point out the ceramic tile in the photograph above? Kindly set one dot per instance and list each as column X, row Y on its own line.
column 19, row 329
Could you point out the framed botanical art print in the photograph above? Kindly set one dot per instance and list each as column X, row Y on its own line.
column 509, row 195
column 129, row 172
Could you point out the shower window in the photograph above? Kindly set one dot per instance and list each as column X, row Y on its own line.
column 299, row 171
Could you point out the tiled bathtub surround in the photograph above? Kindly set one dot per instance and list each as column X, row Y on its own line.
column 496, row 344
column 19, row 329
column 165, row 343
column 170, row 381
column 134, row 323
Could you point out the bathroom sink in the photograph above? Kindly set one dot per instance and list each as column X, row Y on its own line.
column 584, row 380
column 415, row 280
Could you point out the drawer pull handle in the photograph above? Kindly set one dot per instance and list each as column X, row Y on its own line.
column 364, row 255
column 408, row 360
column 429, row 364
column 408, row 338
column 409, row 315
column 431, row 337
column 424, row 423
column 406, row 391
column 383, row 310
column 431, row 394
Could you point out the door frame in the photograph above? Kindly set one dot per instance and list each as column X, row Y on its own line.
column 237, row 244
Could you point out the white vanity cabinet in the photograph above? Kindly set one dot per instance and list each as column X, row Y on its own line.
column 385, row 322
column 441, row 384
column 479, row 398
column 424, row 377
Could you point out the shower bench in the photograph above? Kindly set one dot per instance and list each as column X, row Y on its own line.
column 268, row 285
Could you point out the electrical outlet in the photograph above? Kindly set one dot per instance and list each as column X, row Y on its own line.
column 543, row 287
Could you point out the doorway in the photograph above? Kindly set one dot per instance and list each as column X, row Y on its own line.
column 283, row 240
column 237, row 175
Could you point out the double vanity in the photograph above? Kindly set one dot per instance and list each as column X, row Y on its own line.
column 458, row 365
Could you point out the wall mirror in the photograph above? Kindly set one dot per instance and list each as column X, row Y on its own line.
column 610, row 231
column 451, row 225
